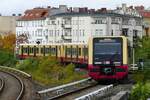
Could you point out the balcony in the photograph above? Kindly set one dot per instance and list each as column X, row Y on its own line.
column 66, row 26
column 66, row 37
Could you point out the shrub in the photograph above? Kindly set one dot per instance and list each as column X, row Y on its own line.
column 140, row 92
column 7, row 59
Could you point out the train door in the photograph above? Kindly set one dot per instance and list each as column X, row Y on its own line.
column 34, row 51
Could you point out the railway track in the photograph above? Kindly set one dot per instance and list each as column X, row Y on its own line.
column 1, row 84
column 13, row 88
column 90, row 91
column 60, row 91
column 72, row 90
column 110, row 92
column 15, row 80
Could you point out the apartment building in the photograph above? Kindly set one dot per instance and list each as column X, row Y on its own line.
column 125, row 10
column 33, row 25
column 78, row 27
column 63, row 25
column 146, row 19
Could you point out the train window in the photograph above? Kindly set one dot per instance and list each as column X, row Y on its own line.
column 79, row 51
column 65, row 51
column 25, row 50
column 42, row 50
column 47, row 50
column 53, row 51
column 68, row 51
column 74, row 51
column 30, row 50
column 85, row 51
column 37, row 50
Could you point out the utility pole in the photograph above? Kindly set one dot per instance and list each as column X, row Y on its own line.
column 133, row 50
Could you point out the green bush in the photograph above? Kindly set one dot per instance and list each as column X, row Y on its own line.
column 48, row 71
column 7, row 58
column 140, row 91
column 28, row 64
column 143, row 51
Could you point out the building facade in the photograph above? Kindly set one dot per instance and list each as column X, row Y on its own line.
column 44, row 26
column 78, row 27
column 33, row 25
column 124, row 10
column 7, row 24
column 146, row 19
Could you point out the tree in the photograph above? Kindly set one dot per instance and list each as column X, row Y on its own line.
column 1, row 42
column 143, row 51
column 8, row 42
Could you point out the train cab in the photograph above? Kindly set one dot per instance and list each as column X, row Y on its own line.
column 108, row 58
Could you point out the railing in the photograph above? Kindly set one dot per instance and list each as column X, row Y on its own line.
column 2, row 84
column 63, row 89
column 96, row 94
column 13, row 70
column 22, row 86
column 122, row 95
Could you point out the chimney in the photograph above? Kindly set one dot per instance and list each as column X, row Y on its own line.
column 19, row 14
column 13, row 14
column 104, row 10
column 48, row 6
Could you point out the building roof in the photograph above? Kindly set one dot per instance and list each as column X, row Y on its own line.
column 35, row 14
column 93, row 14
column 145, row 13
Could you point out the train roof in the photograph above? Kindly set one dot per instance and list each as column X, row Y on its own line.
column 109, row 37
column 55, row 44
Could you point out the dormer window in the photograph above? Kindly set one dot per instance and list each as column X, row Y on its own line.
column 31, row 14
column 37, row 14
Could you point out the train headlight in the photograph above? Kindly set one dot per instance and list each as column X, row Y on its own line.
column 107, row 62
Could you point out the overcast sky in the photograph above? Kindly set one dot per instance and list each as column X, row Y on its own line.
column 8, row 7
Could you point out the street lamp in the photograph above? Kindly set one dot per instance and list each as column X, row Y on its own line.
column 38, row 42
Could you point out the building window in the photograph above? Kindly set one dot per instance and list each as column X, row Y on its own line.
column 52, row 32
column 58, row 32
column 135, row 33
column 112, row 33
column 32, row 33
column 99, row 21
column 125, row 32
column 115, row 20
column 83, row 33
column 96, row 32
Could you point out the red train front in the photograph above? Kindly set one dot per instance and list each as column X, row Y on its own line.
column 108, row 58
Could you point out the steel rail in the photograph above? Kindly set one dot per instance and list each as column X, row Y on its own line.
column 20, row 82
column 96, row 94
column 53, row 93
column 2, row 84
column 16, row 71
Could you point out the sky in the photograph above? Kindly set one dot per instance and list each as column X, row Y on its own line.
column 8, row 7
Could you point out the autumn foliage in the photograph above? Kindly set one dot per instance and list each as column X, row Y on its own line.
column 7, row 45
column 7, row 42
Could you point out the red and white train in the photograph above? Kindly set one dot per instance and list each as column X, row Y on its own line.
column 106, row 57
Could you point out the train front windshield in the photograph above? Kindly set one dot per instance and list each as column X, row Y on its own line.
column 107, row 51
